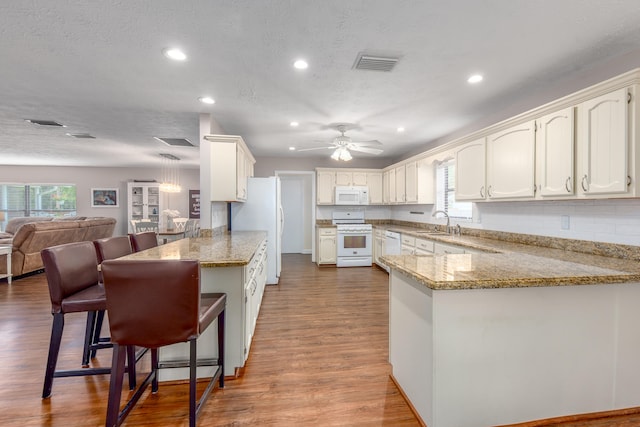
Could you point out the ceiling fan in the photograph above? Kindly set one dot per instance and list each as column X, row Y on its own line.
column 343, row 145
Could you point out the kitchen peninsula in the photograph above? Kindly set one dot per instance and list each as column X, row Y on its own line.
column 233, row 263
column 518, row 335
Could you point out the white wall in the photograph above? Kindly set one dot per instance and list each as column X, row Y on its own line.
column 86, row 178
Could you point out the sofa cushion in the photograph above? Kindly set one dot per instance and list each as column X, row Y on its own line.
column 15, row 223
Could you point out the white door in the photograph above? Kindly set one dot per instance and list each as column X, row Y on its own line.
column 293, row 208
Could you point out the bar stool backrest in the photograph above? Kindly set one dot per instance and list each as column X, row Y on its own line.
column 113, row 247
column 152, row 303
column 69, row 268
column 142, row 241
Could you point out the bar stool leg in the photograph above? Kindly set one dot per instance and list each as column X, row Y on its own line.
column 193, row 401
column 88, row 338
column 54, row 350
column 115, row 385
column 96, row 332
column 221, row 347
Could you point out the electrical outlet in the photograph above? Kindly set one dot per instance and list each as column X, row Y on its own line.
column 564, row 222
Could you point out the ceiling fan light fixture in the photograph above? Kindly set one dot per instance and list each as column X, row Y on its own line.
column 341, row 153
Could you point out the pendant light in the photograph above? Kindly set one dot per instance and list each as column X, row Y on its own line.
column 170, row 174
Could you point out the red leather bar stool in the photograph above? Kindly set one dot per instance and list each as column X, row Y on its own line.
column 145, row 240
column 153, row 303
column 72, row 276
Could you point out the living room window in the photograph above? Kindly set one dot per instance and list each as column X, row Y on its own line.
column 17, row 200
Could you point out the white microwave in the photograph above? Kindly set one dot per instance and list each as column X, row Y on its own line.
column 352, row 195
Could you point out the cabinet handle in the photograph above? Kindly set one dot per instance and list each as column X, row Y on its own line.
column 566, row 184
column 628, row 180
column 489, row 192
column 482, row 191
column 584, row 179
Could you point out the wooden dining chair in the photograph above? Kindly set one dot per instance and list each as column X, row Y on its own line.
column 142, row 226
column 179, row 223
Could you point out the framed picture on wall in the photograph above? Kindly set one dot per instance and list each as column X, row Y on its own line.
column 104, row 198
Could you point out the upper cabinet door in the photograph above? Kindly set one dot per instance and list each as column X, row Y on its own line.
column 344, row 178
column 555, row 152
column 470, row 171
column 325, row 187
column 603, row 138
column 374, row 181
column 411, row 182
column 359, row 178
column 511, row 163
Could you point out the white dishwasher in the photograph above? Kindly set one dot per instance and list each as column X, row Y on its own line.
column 393, row 243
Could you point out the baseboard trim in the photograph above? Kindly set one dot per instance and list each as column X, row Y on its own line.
column 591, row 416
column 406, row 399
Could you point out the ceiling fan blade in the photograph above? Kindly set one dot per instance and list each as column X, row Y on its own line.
column 316, row 148
column 366, row 149
column 372, row 142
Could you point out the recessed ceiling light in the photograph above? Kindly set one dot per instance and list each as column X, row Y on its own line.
column 175, row 54
column 292, row 148
column 207, row 100
column 476, row 78
column 294, row 124
column 301, row 64
column 400, row 129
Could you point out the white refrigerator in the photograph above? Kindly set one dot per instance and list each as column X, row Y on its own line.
column 263, row 211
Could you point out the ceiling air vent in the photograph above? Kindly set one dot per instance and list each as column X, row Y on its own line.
column 44, row 122
column 180, row 142
column 169, row 156
column 82, row 135
column 375, row 63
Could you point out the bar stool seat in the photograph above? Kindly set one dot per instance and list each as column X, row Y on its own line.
column 153, row 303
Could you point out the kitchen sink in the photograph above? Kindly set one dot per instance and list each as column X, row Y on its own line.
column 432, row 233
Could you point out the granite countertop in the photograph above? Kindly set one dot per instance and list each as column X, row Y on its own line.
column 224, row 250
column 507, row 264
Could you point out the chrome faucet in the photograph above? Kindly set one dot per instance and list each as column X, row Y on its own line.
column 446, row 215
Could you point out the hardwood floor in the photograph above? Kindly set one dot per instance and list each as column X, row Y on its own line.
column 319, row 358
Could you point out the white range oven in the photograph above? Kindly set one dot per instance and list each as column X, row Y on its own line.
column 355, row 239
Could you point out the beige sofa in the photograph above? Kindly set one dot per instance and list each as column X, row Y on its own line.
column 29, row 238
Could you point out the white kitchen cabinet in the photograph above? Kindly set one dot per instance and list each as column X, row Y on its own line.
column 555, row 154
column 143, row 202
column 351, row 178
column 408, row 244
column 470, row 171
column 325, row 187
column 420, row 182
column 378, row 244
column 374, row 182
column 511, row 163
column 392, row 185
column 231, row 164
column 424, row 246
column 443, row 248
column 400, row 179
column 603, row 144
column 327, row 245
column 255, row 281
column 385, row 187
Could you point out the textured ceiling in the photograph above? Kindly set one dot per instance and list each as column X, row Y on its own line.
column 97, row 67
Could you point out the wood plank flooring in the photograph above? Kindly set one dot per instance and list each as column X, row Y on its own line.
column 319, row 358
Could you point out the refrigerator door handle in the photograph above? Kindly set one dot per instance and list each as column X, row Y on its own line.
column 281, row 219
